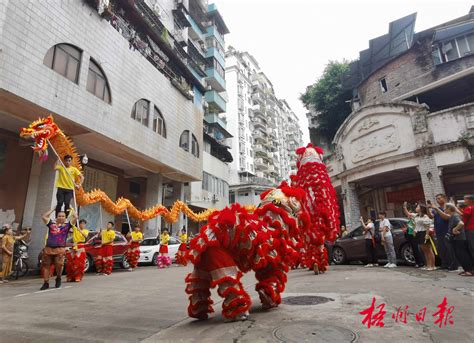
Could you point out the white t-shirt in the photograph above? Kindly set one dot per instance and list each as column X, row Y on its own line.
column 386, row 223
column 422, row 223
column 369, row 233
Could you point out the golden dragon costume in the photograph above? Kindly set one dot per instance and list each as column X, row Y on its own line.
column 45, row 131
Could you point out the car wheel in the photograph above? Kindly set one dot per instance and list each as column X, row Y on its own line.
column 407, row 254
column 88, row 265
column 154, row 260
column 124, row 264
column 338, row 255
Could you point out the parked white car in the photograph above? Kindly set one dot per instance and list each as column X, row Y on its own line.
column 150, row 247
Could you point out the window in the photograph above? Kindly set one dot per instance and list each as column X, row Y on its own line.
column 64, row 59
column 453, row 49
column 213, row 64
column 195, row 147
column 184, row 140
column 97, row 82
column 159, row 122
column 140, row 111
column 383, row 85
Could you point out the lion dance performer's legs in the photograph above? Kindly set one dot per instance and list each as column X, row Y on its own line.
column 164, row 261
column 217, row 268
column 107, row 258
column 271, row 283
column 133, row 254
column 76, row 262
column 181, row 254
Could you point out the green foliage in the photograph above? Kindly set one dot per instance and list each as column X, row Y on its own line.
column 329, row 98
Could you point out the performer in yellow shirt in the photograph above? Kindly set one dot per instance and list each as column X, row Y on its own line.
column 183, row 248
column 76, row 256
column 68, row 178
column 164, row 260
column 133, row 252
column 105, row 260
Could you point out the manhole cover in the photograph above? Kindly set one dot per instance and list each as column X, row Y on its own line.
column 314, row 332
column 306, row 300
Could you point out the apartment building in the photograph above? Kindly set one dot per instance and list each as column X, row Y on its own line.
column 265, row 130
column 127, row 81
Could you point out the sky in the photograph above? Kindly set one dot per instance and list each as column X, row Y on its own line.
column 293, row 40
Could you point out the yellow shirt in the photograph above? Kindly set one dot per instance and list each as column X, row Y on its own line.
column 64, row 180
column 77, row 236
column 137, row 236
column 108, row 236
column 8, row 242
column 164, row 239
column 183, row 238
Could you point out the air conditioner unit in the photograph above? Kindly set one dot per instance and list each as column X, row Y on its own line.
column 207, row 23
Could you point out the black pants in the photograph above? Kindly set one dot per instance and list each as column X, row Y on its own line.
column 463, row 255
column 416, row 250
column 63, row 196
column 370, row 250
column 446, row 253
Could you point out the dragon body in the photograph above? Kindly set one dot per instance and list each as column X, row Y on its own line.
column 45, row 132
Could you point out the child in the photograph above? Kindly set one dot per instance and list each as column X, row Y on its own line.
column 133, row 252
column 164, row 260
column 105, row 260
column 181, row 254
column 76, row 257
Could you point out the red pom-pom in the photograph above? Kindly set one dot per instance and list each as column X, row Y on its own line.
column 319, row 150
column 301, row 150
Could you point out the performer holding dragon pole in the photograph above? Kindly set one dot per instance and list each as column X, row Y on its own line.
column 133, row 252
column 164, row 261
column 183, row 248
column 76, row 256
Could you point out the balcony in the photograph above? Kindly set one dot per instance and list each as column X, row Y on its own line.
column 259, row 124
column 217, row 54
column 216, row 102
column 212, row 31
column 216, row 81
column 214, row 118
column 259, row 149
column 260, row 164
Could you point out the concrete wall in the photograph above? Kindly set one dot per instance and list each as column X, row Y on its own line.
column 31, row 28
column 14, row 179
column 199, row 196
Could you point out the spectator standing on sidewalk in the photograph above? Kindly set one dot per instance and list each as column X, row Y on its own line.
column 385, row 229
column 422, row 225
column 369, row 233
column 441, row 220
column 410, row 236
column 7, row 242
column 468, row 219
column 457, row 237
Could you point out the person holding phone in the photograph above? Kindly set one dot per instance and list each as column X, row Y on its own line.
column 369, row 232
column 441, row 220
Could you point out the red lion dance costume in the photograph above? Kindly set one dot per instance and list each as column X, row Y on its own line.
column 321, row 201
column 236, row 241
column 76, row 262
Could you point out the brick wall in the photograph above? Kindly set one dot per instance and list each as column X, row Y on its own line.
column 411, row 70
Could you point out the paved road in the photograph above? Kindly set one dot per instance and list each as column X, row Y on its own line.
column 149, row 304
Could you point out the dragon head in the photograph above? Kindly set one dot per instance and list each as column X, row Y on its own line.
column 41, row 131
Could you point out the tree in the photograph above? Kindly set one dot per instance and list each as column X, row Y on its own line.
column 329, row 98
